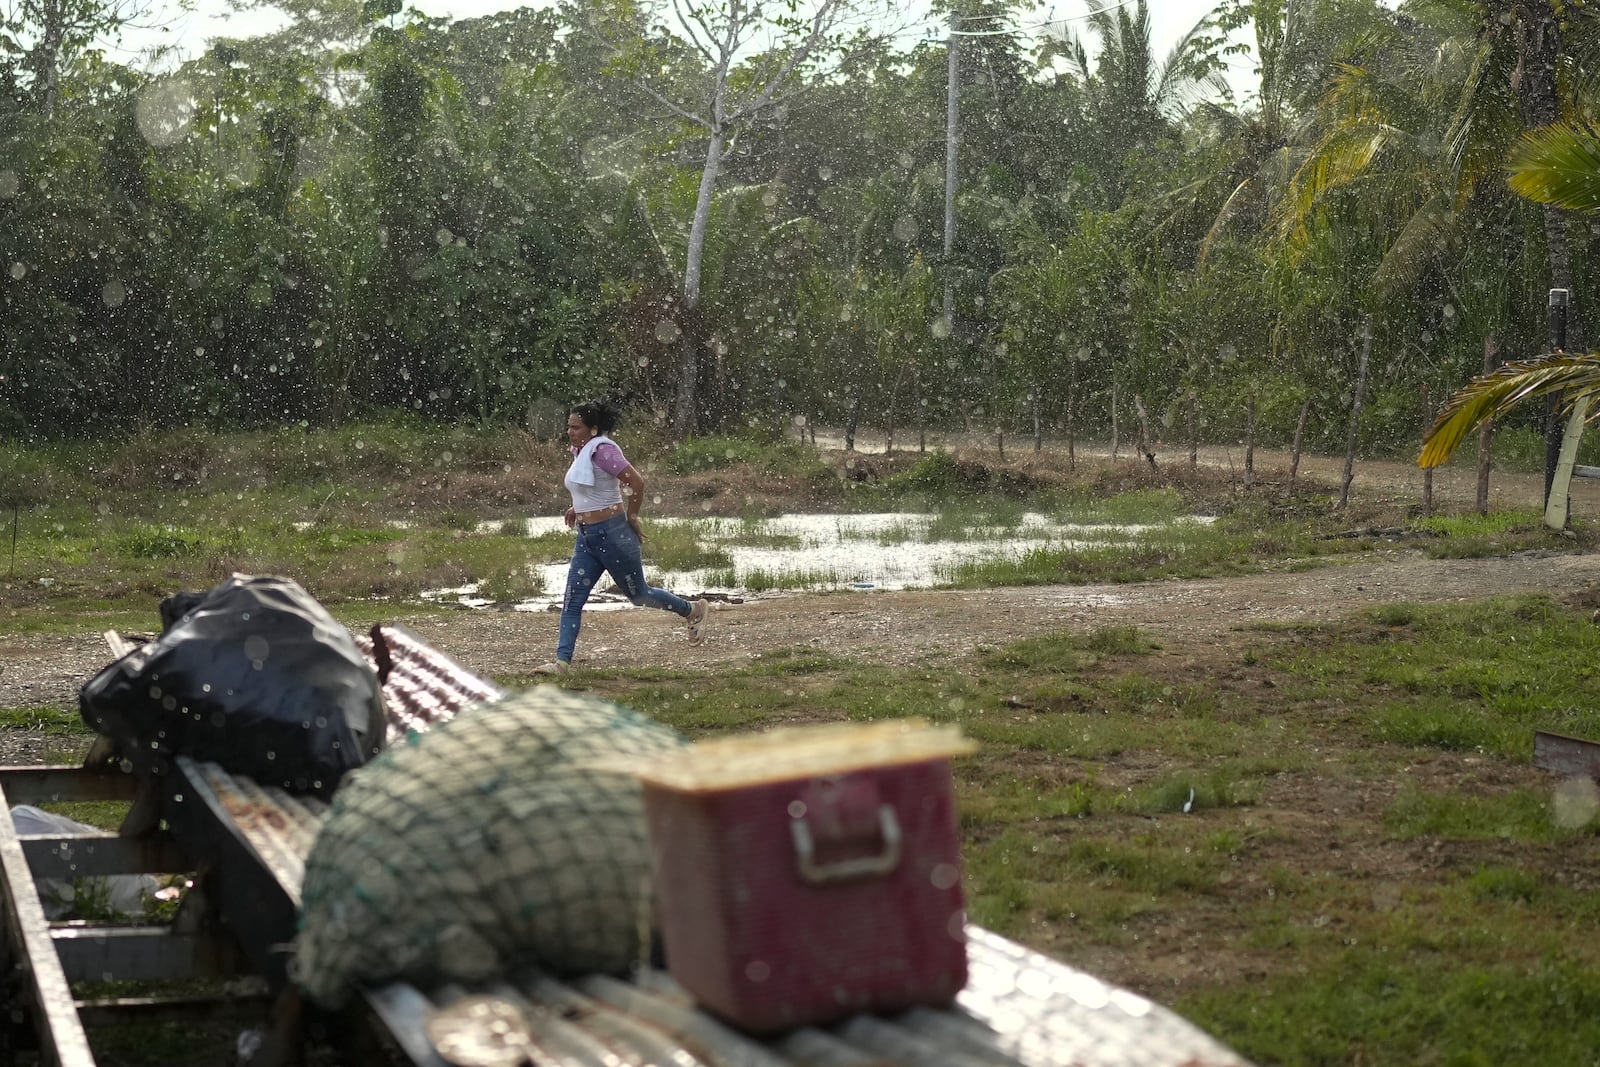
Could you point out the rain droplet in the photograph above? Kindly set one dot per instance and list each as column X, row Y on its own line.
column 667, row 331
column 113, row 293
column 10, row 184
column 1575, row 803
column 18, row 270
column 165, row 112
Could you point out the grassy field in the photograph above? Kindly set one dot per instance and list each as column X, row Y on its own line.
column 1324, row 844
column 97, row 531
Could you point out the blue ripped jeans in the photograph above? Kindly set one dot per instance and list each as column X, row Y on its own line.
column 609, row 546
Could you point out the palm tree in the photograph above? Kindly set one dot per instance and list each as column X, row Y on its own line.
column 1557, row 166
column 1131, row 97
column 1256, row 150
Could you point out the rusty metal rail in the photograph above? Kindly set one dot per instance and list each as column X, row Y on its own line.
column 1020, row 1009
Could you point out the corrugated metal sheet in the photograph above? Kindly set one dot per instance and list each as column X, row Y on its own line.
column 423, row 687
column 1021, row 1010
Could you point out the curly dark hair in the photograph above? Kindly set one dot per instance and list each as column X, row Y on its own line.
column 599, row 415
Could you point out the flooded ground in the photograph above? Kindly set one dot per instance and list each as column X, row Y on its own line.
column 887, row 551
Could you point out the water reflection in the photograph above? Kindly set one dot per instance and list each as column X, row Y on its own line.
column 831, row 552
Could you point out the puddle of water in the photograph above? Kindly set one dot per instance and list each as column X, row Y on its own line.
column 863, row 553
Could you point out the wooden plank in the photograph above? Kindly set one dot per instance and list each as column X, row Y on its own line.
column 91, row 855
column 1566, row 755
column 62, row 1041
column 140, row 954
column 44, row 785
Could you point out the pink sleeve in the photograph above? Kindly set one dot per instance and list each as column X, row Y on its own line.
column 609, row 458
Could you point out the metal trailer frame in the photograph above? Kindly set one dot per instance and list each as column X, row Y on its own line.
column 43, row 960
column 247, row 845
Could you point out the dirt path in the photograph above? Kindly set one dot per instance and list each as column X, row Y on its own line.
column 900, row 627
column 1184, row 617
column 1455, row 484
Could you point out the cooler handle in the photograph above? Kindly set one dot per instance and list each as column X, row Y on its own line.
column 858, row 867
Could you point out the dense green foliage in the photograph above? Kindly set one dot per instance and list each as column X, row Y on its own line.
column 487, row 218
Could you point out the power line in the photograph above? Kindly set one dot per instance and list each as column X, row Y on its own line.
column 1022, row 29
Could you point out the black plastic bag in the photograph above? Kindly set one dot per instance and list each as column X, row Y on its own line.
column 254, row 675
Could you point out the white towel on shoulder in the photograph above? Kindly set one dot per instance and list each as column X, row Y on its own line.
column 582, row 470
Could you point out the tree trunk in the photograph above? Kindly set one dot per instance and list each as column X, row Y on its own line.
column 1355, row 413
column 1194, row 431
column 1250, row 441
column 1485, row 432
column 922, row 411
column 685, row 416
column 850, row 424
column 1299, row 440
column 1539, row 100
column 44, row 58
column 1038, row 423
column 1072, row 389
column 1427, row 472
column 1114, row 435
column 894, row 403
column 1145, row 446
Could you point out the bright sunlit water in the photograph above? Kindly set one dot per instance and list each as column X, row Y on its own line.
column 862, row 553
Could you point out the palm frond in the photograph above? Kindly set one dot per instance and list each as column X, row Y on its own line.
column 1424, row 234
column 1230, row 207
column 1343, row 157
column 1498, row 392
column 1557, row 165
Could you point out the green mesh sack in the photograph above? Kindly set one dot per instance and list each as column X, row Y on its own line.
column 484, row 844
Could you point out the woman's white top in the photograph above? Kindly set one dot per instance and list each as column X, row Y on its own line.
column 592, row 478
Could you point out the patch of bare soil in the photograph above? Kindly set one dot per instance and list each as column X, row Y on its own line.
column 1192, row 620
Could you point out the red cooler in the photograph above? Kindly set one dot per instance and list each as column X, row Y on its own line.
column 808, row 874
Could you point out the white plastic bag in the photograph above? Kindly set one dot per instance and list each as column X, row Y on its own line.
column 121, row 894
